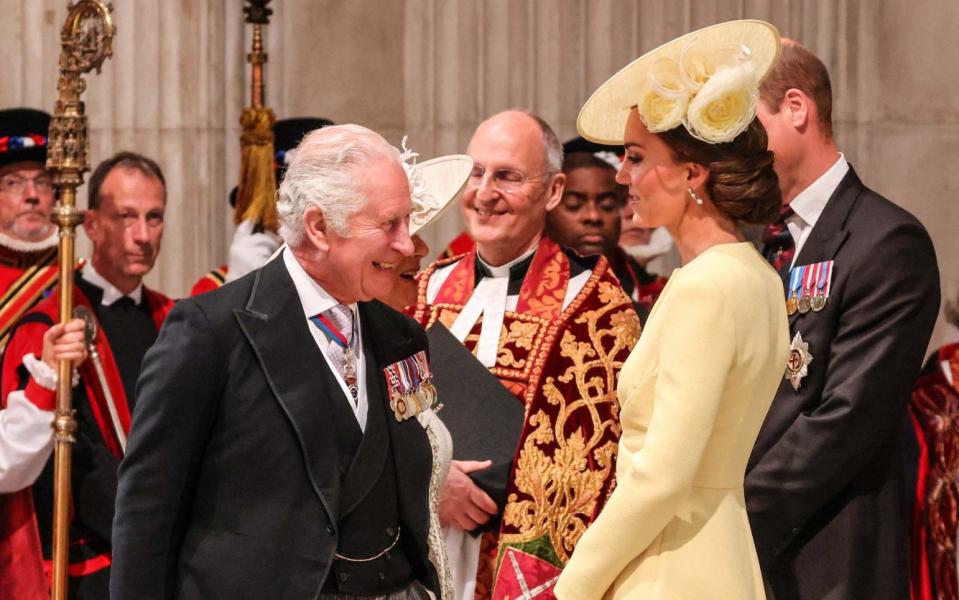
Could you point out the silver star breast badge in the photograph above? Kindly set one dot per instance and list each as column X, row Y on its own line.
column 799, row 358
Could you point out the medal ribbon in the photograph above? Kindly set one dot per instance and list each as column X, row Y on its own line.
column 823, row 269
column 795, row 277
column 807, row 281
column 826, row 279
column 330, row 330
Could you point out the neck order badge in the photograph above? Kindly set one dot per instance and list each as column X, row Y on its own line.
column 336, row 337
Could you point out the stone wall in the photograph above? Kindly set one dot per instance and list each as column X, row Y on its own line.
column 434, row 68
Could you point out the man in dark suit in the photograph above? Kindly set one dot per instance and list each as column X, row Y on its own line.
column 271, row 456
column 824, row 485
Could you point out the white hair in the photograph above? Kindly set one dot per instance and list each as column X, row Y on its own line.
column 326, row 172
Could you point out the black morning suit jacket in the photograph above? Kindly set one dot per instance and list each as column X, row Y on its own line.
column 230, row 485
column 824, row 485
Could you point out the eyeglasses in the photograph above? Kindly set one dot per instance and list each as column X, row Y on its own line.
column 505, row 180
column 15, row 185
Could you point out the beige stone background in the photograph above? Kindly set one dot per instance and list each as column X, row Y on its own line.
column 434, row 68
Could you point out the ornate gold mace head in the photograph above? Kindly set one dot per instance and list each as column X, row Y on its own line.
column 86, row 41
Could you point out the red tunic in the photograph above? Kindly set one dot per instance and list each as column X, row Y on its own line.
column 562, row 364
column 209, row 282
column 934, row 415
column 22, row 568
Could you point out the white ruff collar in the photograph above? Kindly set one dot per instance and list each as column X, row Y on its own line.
column 25, row 246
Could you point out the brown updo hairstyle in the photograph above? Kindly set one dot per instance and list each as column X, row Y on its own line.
column 742, row 182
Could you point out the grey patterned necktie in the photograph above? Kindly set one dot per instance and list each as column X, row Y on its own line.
column 342, row 357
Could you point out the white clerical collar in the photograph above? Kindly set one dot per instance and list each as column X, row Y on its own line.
column 313, row 298
column 503, row 270
column 110, row 292
column 809, row 203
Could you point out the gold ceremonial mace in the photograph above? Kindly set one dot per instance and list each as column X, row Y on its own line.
column 86, row 41
column 256, row 190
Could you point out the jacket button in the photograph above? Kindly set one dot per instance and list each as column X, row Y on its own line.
column 330, row 530
column 390, row 531
column 381, row 576
column 344, row 577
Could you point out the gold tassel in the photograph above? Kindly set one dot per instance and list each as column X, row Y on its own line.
column 256, row 192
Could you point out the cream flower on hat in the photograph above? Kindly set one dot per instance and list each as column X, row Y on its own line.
column 725, row 105
column 707, row 80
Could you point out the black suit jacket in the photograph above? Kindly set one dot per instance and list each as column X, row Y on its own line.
column 824, row 485
column 230, row 485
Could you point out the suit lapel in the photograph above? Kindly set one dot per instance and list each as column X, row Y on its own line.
column 829, row 233
column 296, row 372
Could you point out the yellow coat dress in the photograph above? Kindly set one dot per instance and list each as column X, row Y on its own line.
column 693, row 395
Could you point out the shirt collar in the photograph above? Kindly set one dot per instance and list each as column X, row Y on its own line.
column 313, row 297
column 809, row 203
column 110, row 292
column 506, row 269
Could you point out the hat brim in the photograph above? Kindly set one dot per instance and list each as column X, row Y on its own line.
column 603, row 117
column 445, row 178
column 37, row 154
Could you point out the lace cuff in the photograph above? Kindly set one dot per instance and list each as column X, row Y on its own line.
column 44, row 374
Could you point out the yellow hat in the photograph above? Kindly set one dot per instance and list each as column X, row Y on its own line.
column 707, row 80
column 435, row 185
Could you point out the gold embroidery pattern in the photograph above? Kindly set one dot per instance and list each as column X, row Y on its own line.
column 521, row 339
column 567, row 459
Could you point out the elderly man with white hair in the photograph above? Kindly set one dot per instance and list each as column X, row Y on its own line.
column 283, row 442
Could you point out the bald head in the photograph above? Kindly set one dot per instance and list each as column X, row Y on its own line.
column 527, row 129
column 516, row 179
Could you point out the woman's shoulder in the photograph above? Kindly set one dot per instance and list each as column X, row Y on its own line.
column 736, row 271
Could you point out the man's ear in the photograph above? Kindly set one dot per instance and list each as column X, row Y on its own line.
column 555, row 192
column 90, row 224
column 315, row 228
column 798, row 108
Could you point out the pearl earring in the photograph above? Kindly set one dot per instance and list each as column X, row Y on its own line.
column 696, row 198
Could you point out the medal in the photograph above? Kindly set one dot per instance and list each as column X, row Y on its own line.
column 797, row 366
column 805, row 301
column 792, row 301
column 822, row 286
column 411, row 387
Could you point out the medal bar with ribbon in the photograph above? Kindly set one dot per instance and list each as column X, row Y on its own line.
column 335, row 336
column 823, row 282
column 410, row 382
column 792, row 300
column 805, row 296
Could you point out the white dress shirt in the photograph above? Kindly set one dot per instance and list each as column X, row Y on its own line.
column 316, row 300
column 809, row 204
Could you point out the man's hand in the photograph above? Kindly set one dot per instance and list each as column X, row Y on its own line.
column 64, row 341
column 462, row 502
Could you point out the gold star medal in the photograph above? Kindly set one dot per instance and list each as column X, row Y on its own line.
column 799, row 358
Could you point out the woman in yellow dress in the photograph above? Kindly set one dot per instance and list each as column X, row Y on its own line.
column 697, row 386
